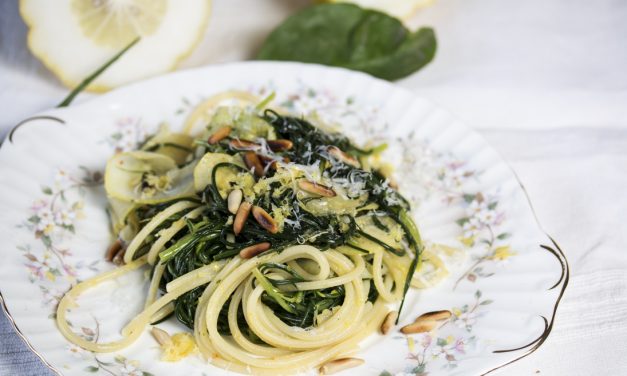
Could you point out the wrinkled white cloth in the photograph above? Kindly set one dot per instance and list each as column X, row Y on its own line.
column 545, row 81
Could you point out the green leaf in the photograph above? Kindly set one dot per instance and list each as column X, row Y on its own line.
column 462, row 221
column 348, row 36
column 469, row 198
column 502, row 236
column 486, row 302
column 441, row 342
column 478, row 294
column 91, row 369
column 46, row 240
column 385, row 373
column 46, row 190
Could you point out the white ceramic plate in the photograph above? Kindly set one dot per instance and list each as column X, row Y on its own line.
column 503, row 295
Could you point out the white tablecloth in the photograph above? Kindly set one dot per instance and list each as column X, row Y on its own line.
column 544, row 80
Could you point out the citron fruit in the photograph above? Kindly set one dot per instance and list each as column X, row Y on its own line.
column 402, row 9
column 73, row 38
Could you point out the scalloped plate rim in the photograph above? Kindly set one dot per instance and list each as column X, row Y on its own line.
column 181, row 75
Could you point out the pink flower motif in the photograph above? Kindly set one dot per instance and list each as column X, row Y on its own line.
column 459, row 346
column 426, row 340
column 39, row 205
column 499, row 218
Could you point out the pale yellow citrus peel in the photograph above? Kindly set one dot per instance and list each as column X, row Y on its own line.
column 73, row 38
column 402, row 9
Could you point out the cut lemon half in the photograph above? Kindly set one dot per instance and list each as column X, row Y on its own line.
column 73, row 38
column 402, row 9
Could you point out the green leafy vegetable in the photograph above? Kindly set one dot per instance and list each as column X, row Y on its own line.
column 346, row 35
column 206, row 238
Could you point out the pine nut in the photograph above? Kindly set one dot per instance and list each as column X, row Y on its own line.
column 253, row 162
column 113, row 250
column 280, row 145
column 265, row 220
column 241, row 216
column 219, row 135
column 254, row 250
column 267, row 161
column 338, row 154
column 161, row 336
column 234, row 200
column 238, row 144
column 315, row 188
column 388, row 322
column 434, row 316
column 118, row 259
column 419, row 327
column 338, row 365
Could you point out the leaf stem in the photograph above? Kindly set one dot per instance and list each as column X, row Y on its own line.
column 416, row 243
column 66, row 102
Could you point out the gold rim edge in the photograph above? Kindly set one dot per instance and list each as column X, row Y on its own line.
column 19, row 333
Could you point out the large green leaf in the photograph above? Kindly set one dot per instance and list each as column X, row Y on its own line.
column 348, row 36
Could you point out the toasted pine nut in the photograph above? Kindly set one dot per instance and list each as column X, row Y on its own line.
column 315, row 188
column 118, row 259
column 254, row 250
column 234, row 199
column 388, row 322
column 265, row 220
column 113, row 250
column 338, row 365
column 419, row 327
column 267, row 161
column 280, row 145
column 243, row 144
column 434, row 316
column 161, row 336
column 271, row 161
column 338, row 154
column 253, row 162
column 241, row 216
column 219, row 135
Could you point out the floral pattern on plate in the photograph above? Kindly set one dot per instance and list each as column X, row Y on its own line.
column 51, row 264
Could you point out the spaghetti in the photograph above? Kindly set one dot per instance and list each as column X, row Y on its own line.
column 279, row 244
